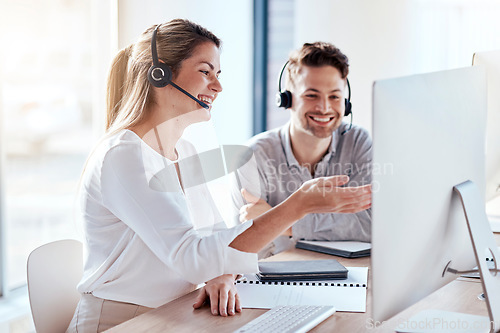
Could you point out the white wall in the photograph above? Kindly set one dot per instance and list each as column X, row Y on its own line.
column 229, row 20
column 382, row 38
column 390, row 38
column 104, row 30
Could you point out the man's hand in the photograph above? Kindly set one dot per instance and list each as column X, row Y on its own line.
column 254, row 208
column 222, row 295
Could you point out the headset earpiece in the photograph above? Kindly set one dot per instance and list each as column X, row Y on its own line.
column 348, row 105
column 159, row 74
column 348, row 108
column 283, row 98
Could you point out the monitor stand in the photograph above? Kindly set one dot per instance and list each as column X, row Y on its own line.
column 484, row 244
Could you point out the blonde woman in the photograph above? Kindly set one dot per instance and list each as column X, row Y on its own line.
column 142, row 244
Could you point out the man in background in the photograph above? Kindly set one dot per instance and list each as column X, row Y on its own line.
column 314, row 143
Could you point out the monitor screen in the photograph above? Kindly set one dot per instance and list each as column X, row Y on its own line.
column 428, row 136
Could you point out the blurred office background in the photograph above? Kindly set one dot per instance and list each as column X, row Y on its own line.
column 54, row 57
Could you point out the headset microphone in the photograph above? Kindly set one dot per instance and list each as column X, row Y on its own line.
column 160, row 74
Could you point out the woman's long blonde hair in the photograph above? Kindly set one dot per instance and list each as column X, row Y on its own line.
column 128, row 90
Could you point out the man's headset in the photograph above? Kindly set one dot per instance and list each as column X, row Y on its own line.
column 284, row 98
column 160, row 74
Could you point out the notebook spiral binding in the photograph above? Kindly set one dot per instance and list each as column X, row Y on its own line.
column 287, row 283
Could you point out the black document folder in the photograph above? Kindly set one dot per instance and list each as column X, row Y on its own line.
column 304, row 270
column 346, row 249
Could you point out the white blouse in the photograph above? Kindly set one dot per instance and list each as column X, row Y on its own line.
column 144, row 235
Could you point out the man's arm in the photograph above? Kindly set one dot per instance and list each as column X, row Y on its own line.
column 333, row 226
column 251, row 178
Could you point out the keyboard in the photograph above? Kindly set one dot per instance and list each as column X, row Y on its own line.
column 288, row 318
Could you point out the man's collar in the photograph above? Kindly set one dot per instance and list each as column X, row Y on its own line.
column 287, row 145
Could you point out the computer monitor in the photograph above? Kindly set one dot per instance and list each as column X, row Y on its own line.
column 428, row 136
column 490, row 61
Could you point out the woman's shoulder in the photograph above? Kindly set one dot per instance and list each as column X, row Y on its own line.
column 123, row 137
column 123, row 140
column 123, row 144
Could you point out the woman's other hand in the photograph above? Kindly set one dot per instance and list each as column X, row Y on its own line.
column 222, row 295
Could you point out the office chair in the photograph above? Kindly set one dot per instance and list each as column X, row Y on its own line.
column 54, row 270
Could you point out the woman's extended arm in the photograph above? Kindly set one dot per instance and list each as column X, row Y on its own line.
column 320, row 195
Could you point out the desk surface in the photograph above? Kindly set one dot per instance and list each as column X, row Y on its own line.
column 460, row 295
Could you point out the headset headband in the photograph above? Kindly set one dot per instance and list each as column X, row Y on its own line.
column 154, row 54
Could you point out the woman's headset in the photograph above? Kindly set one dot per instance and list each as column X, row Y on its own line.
column 160, row 74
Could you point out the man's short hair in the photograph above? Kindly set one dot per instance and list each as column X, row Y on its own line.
column 316, row 55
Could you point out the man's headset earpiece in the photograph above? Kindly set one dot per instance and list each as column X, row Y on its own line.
column 348, row 105
column 284, row 98
column 160, row 74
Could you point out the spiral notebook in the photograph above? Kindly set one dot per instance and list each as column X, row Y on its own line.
column 347, row 295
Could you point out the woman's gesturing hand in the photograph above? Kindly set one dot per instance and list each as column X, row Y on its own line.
column 325, row 195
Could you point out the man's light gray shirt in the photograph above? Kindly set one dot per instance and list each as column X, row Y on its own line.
column 274, row 174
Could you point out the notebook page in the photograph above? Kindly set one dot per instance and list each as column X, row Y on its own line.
column 339, row 293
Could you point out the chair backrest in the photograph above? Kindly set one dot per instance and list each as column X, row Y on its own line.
column 54, row 270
